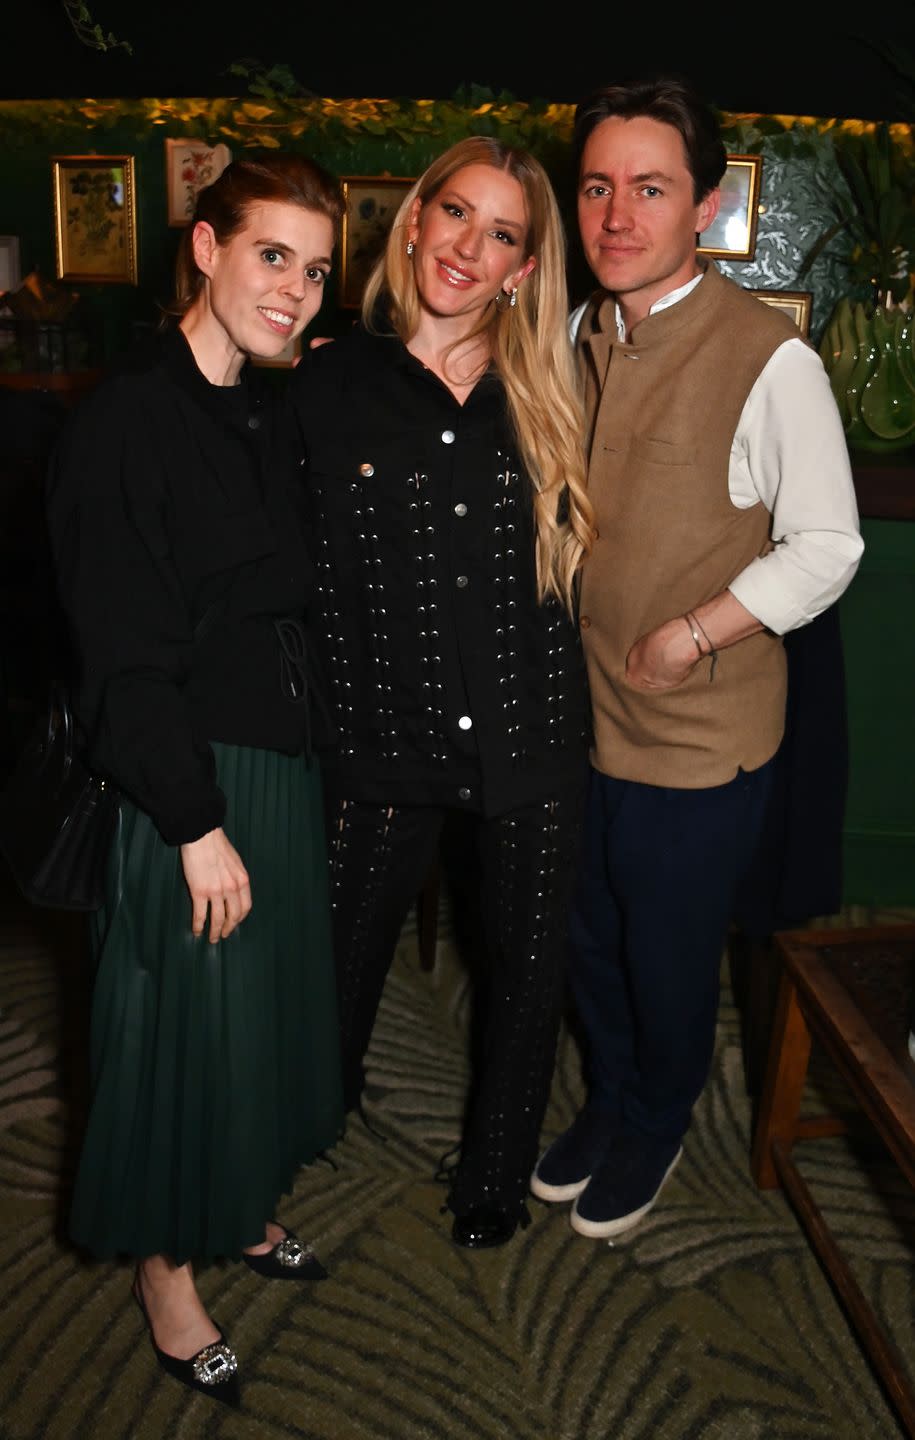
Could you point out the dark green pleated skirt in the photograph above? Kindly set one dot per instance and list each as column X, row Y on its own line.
column 215, row 1068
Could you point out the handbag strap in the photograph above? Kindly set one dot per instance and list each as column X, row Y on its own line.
column 60, row 717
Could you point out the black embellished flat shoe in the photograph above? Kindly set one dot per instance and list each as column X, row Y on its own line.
column 483, row 1226
column 212, row 1370
column 288, row 1260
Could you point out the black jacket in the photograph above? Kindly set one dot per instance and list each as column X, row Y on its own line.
column 450, row 684
column 170, row 500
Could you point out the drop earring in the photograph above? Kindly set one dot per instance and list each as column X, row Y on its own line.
column 410, row 247
column 512, row 299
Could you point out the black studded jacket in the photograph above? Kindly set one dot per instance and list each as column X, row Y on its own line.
column 450, row 684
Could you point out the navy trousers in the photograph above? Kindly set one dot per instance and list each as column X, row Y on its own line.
column 658, row 880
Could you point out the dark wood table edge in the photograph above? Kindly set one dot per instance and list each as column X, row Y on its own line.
column 810, row 985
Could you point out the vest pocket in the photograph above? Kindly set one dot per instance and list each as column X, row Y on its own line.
column 659, row 451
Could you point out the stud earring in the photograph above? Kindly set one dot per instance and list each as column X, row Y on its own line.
column 410, row 247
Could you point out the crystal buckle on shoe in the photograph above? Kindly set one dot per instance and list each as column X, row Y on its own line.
column 214, row 1364
column 290, row 1253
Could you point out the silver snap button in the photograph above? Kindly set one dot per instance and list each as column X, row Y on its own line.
column 254, row 422
column 461, row 581
column 366, row 469
column 463, row 793
column 465, row 722
column 459, row 509
column 448, row 437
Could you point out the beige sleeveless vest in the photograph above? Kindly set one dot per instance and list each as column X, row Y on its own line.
column 665, row 408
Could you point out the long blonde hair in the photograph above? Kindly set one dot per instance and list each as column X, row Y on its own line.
column 530, row 348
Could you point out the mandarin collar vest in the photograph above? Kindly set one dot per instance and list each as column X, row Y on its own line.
column 653, row 329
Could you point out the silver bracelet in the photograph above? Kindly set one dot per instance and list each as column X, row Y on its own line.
column 690, row 625
column 712, row 653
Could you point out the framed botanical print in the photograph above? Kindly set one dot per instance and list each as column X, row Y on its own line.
column 189, row 166
column 372, row 201
column 95, row 220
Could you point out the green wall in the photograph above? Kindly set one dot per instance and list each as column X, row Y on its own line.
column 364, row 137
column 368, row 137
column 877, row 614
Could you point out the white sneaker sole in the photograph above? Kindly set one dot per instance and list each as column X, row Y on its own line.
column 556, row 1193
column 605, row 1229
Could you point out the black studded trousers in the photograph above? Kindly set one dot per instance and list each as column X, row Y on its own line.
column 515, row 875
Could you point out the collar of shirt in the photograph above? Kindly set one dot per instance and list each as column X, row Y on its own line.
column 663, row 304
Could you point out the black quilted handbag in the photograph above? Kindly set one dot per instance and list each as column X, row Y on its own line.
column 57, row 819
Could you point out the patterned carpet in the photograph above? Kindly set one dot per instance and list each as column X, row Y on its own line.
column 713, row 1321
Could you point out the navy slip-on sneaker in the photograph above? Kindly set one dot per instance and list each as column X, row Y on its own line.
column 563, row 1170
column 624, row 1187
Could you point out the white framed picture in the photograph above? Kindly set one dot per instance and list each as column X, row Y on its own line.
column 10, row 272
column 189, row 166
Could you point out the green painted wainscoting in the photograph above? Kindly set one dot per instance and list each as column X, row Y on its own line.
column 877, row 616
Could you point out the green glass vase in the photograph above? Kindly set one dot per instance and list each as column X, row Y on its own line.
column 869, row 355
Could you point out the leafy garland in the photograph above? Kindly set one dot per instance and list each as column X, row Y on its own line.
column 272, row 118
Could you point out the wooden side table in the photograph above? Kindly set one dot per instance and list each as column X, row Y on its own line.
column 851, row 991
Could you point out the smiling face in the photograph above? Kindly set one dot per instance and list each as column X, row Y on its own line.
column 267, row 281
column 637, row 214
column 470, row 242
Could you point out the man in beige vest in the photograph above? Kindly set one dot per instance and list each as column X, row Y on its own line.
column 726, row 517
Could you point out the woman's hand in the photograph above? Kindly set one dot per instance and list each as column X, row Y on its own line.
column 216, row 878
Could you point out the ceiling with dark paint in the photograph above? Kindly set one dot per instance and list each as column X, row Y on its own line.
column 779, row 58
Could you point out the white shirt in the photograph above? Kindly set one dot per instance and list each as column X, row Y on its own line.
column 789, row 452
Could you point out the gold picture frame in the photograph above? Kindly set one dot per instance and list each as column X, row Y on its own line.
column 732, row 234
column 372, row 201
column 95, row 218
column 190, row 165
column 796, row 304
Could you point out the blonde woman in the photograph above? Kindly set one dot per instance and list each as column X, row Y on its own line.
column 443, row 439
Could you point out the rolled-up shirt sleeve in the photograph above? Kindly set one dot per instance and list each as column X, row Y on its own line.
column 789, row 452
